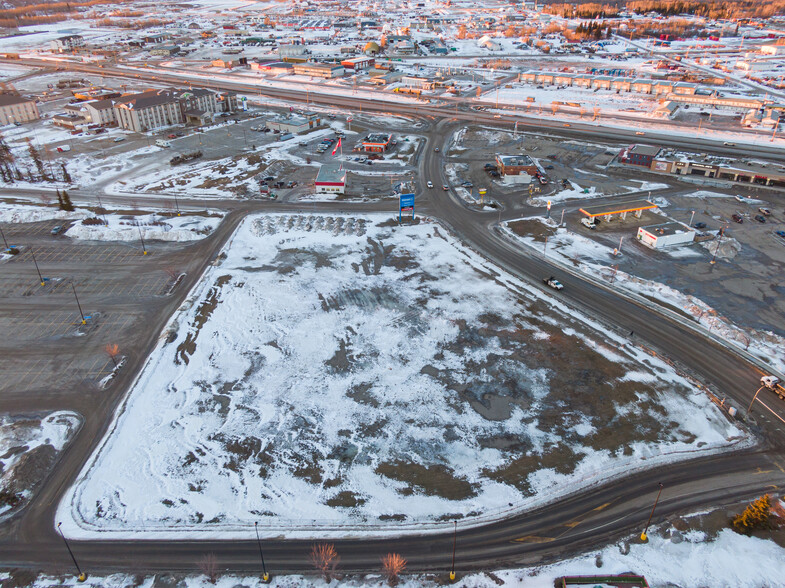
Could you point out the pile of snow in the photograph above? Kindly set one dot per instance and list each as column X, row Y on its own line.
column 151, row 227
column 29, row 213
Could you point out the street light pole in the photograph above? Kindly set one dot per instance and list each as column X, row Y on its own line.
column 266, row 576
column 753, row 400
column 656, row 500
column 692, row 217
column 82, row 576
column 4, row 241
column 454, row 543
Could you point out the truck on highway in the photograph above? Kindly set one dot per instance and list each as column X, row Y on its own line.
column 774, row 384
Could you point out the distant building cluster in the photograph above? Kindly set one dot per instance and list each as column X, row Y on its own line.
column 663, row 161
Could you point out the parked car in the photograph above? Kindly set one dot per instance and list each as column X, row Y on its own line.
column 780, row 233
column 737, row 218
column 765, row 211
column 171, row 136
column 490, row 166
column 56, row 229
column 553, row 283
column 699, row 225
column 760, row 218
column 740, row 198
column 118, row 139
column 548, row 167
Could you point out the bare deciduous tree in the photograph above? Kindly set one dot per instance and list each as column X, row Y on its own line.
column 325, row 559
column 208, row 565
column 392, row 566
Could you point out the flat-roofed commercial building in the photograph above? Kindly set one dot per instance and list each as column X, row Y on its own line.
column 665, row 235
column 319, row 70
column 331, row 179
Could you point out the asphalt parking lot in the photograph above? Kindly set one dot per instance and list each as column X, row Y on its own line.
column 46, row 349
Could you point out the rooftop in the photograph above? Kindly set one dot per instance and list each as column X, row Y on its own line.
column 378, row 138
column 617, row 207
column 331, row 173
column 671, row 228
column 645, row 150
column 11, row 99
column 510, row 160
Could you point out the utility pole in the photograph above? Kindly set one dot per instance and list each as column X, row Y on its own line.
column 4, row 241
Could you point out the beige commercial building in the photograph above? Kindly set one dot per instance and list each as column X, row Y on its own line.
column 17, row 109
column 161, row 108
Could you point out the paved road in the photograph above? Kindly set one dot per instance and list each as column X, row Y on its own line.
column 588, row 519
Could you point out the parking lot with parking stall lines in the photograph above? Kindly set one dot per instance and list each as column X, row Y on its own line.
column 46, row 324
column 67, row 253
column 47, row 372
column 136, row 287
column 15, row 231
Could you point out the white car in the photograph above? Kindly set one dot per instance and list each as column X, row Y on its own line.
column 740, row 198
column 429, row 184
column 553, row 283
column 118, row 139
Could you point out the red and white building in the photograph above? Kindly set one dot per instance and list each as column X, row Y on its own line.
column 331, row 179
column 377, row 143
column 358, row 63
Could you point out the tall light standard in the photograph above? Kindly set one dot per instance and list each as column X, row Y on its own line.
column 79, row 306
column 656, row 500
column 82, row 575
column 454, row 543
column 753, row 399
column 266, row 576
column 692, row 217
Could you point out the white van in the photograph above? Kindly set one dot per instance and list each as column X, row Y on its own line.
column 162, row 143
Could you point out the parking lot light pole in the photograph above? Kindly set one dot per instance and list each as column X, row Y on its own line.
column 141, row 238
column 692, row 217
column 265, row 576
column 656, row 500
column 40, row 277
column 84, row 322
column 82, row 576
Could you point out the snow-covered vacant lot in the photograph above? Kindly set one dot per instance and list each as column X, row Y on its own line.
column 347, row 375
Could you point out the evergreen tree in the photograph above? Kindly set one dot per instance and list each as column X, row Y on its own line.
column 755, row 516
column 60, row 200
column 67, row 204
column 66, row 175
column 36, row 159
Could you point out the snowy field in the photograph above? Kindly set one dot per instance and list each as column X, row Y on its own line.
column 590, row 257
column 339, row 376
column 28, row 449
